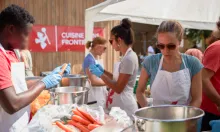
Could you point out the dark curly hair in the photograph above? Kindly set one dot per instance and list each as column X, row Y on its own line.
column 215, row 36
column 15, row 15
column 124, row 31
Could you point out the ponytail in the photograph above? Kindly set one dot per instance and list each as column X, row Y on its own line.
column 124, row 31
column 89, row 44
column 96, row 41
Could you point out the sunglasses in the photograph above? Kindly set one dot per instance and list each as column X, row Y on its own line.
column 110, row 41
column 169, row 46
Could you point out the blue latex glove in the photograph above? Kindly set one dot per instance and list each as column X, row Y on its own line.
column 215, row 124
column 51, row 80
column 95, row 70
column 58, row 70
column 100, row 67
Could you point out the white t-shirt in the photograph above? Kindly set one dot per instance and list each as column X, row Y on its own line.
column 129, row 65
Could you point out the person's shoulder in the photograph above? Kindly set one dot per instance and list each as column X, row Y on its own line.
column 216, row 44
column 190, row 59
column 152, row 60
column 4, row 62
column 213, row 48
column 89, row 58
column 132, row 53
column 130, row 56
column 192, row 62
column 155, row 57
column 2, row 56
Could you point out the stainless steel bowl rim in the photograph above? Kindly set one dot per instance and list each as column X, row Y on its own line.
column 170, row 120
column 74, row 76
column 51, row 90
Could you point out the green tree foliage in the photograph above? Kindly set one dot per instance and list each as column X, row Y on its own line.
column 195, row 36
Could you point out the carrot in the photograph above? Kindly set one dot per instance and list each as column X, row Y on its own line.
column 79, row 114
column 98, row 123
column 63, row 127
column 81, row 120
column 92, row 126
column 87, row 115
column 79, row 126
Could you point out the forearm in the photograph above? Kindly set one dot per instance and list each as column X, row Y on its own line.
column 25, row 98
column 110, row 83
column 110, row 75
column 141, row 98
column 210, row 91
column 98, row 82
column 14, row 102
column 195, row 102
column 30, row 83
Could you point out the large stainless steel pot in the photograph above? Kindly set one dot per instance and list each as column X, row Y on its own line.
column 168, row 118
column 74, row 80
column 69, row 95
column 68, row 80
column 78, row 89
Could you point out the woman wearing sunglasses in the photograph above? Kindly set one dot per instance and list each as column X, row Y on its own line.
column 98, row 92
column 122, row 81
column 175, row 77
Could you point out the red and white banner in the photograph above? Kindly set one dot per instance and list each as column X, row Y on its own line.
column 42, row 39
column 72, row 38
column 59, row 38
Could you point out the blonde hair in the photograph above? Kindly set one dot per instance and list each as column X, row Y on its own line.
column 96, row 41
column 171, row 26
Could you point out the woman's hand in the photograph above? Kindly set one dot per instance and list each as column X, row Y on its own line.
column 94, row 69
column 140, row 93
column 100, row 67
column 95, row 81
column 119, row 85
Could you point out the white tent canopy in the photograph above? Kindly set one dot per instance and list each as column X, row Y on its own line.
column 196, row 14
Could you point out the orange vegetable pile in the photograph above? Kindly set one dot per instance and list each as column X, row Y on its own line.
column 81, row 120
column 40, row 101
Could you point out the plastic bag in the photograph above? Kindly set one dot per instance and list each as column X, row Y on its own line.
column 111, row 126
column 97, row 112
column 121, row 117
column 43, row 119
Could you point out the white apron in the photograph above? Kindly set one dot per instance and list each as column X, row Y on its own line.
column 171, row 88
column 125, row 100
column 98, row 93
column 17, row 121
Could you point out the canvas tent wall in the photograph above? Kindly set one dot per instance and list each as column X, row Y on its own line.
column 196, row 14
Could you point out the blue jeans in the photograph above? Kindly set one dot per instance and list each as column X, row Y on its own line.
column 206, row 119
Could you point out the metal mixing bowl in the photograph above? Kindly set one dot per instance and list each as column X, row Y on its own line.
column 168, row 118
column 74, row 80
column 71, row 90
column 69, row 95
